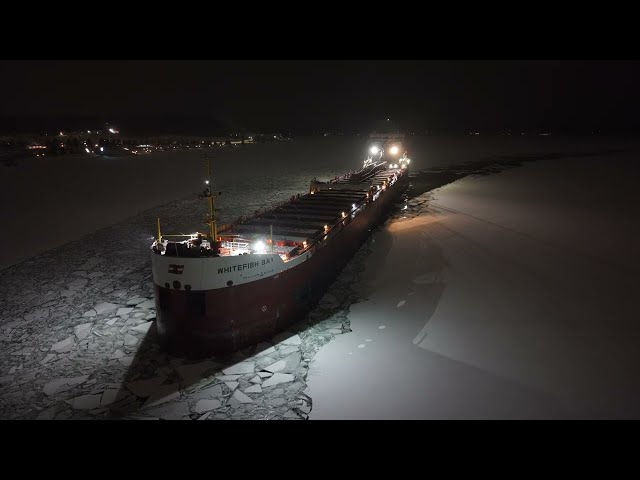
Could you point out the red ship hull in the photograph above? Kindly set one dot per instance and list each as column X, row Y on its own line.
column 226, row 319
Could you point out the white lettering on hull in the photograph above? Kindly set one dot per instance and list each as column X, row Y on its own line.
column 245, row 266
column 216, row 272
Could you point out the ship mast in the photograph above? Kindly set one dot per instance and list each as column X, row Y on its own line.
column 212, row 209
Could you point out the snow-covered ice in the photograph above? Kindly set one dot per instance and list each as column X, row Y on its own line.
column 523, row 303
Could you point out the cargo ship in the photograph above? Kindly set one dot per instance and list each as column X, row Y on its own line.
column 226, row 289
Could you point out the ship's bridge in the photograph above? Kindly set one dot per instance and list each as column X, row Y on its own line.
column 387, row 147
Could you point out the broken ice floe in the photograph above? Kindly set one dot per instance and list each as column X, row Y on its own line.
column 87, row 343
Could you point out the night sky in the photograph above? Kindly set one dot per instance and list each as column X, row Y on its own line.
column 203, row 97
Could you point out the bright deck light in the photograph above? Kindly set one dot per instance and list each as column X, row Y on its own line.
column 259, row 246
column 374, row 149
column 394, row 150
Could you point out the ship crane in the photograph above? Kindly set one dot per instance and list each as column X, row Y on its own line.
column 212, row 208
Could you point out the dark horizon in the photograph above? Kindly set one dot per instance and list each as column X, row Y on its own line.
column 306, row 97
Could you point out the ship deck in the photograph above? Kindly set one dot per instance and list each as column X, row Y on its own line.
column 308, row 217
column 296, row 226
